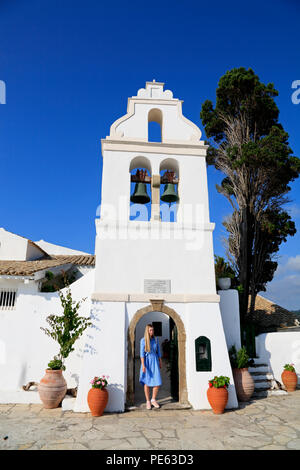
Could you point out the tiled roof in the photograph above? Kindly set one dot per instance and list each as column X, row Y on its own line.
column 269, row 314
column 86, row 260
column 28, row 268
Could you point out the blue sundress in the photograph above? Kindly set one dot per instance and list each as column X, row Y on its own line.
column 152, row 376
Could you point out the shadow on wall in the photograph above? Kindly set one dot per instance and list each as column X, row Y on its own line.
column 76, row 378
column 94, row 317
column 23, row 373
column 267, row 360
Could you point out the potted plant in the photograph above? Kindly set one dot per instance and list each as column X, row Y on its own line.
column 243, row 381
column 289, row 377
column 224, row 273
column 65, row 329
column 217, row 393
column 98, row 395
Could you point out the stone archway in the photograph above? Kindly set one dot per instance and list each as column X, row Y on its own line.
column 157, row 306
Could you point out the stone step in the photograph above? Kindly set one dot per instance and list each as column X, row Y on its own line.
column 259, row 364
column 262, row 374
column 267, row 393
column 263, row 378
column 260, row 393
column 258, row 368
column 262, row 384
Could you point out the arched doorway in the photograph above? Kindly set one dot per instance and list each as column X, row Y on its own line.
column 157, row 306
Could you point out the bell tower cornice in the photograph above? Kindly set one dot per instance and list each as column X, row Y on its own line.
column 170, row 148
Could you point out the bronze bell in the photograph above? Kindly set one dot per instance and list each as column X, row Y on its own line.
column 140, row 195
column 169, row 195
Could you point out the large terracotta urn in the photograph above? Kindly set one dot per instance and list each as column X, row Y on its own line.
column 217, row 398
column 97, row 400
column 289, row 380
column 52, row 388
column 244, row 383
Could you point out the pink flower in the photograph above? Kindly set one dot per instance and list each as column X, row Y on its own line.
column 107, row 376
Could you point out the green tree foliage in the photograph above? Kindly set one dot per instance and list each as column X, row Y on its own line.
column 65, row 328
column 250, row 147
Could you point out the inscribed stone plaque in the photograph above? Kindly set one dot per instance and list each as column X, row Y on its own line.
column 157, row 286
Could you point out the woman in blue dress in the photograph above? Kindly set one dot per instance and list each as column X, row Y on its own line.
column 150, row 366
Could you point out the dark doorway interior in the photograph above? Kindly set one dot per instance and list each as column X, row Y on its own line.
column 169, row 391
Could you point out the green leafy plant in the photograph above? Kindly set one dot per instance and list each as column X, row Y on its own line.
column 100, row 382
column 238, row 359
column 65, row 328
column 56, row 364
column 49, row 275
column 219, row 382
column 222, row 268
column 289, row 367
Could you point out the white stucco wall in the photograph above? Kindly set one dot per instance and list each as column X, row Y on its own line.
column 25, row 350
column 204, row 319
column 277, row 349
column 53, row 249
column 230, row 312
column 33, row 252
column 106, row 353
column 12, row 247
column 15, row 247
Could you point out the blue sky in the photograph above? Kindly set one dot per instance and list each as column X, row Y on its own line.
column 70, row 66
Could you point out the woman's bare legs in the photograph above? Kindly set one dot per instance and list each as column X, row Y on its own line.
column 154, row 395
column 147, row 395
column 147, row 392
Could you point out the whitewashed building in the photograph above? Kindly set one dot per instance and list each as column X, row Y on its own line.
column 155, row 268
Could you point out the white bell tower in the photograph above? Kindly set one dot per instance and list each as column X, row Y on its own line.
column 180, row 251
column 155, row 264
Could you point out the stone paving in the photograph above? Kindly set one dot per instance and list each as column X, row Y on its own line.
column 268, row 423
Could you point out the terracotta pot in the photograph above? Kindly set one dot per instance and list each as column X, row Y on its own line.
column 217, row 398
column 289, row 380
column 244, row 384
column 97, row 400
column 52, row 388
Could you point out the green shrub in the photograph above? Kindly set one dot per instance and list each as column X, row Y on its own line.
column 238, row 359
column 65, row 328
column 56, row 364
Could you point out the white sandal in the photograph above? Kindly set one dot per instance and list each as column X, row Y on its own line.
column 155, row 404
column 148, row 405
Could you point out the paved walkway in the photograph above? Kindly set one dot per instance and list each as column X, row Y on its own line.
column 269, row 423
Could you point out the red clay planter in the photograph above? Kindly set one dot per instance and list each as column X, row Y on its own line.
column 244, row 383
column 97, row 400
column 289, row 380
column 52, row 388
column 217, row 398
